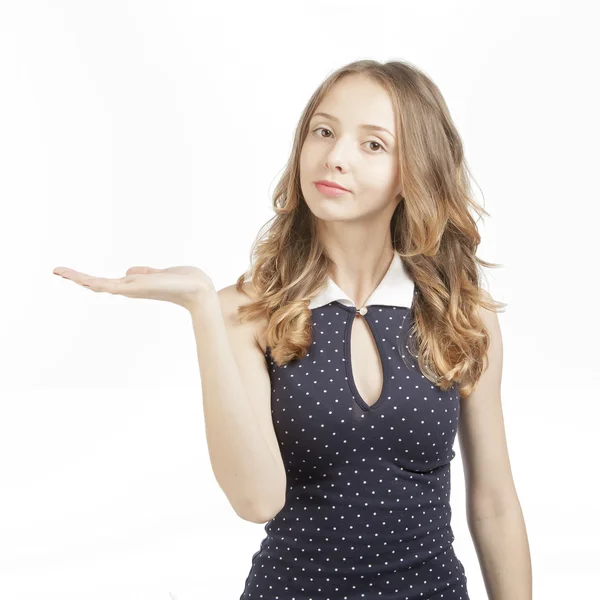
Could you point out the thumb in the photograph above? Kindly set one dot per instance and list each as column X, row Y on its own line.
column 142, row 271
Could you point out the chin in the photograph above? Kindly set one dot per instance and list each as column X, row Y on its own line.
column 329, row 209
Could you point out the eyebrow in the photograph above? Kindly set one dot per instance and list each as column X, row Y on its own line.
column 366, row 126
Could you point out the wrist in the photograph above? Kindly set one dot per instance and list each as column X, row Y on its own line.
column 203, row 300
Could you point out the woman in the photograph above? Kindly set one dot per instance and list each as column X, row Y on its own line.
column 338, row 371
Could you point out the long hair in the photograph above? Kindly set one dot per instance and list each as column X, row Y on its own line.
column 431, row 228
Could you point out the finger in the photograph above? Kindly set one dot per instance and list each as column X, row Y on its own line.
column 121, row 286
column 67, row 273
column 98, row 284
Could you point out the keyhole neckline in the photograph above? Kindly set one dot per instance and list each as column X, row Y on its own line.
column 354, row 312
column 348, row 362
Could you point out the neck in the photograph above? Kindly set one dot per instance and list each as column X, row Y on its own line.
column 359, row 273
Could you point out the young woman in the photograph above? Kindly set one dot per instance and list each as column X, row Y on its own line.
column 337, row 372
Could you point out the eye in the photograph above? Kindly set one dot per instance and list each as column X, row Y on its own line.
column 368, row 142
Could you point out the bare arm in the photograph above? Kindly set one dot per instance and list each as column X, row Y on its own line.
column 494, row 514
column 236, row 395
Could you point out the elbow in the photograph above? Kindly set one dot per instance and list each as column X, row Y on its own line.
column 261, row 515
column 493, row 506
column 266, row 506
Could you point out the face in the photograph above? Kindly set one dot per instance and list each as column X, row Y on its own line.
column 343, row 148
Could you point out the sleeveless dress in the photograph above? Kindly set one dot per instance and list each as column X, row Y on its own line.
column 367, row 513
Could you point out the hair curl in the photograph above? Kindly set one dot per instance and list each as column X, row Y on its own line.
column 431, row 228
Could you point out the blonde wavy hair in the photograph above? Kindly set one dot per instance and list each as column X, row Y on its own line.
column 431, row 228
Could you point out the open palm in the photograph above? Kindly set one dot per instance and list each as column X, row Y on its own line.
column 180, row 285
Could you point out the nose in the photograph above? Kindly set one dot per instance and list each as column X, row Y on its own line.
column 338, row 156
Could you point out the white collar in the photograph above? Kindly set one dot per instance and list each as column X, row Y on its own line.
column 395, row 289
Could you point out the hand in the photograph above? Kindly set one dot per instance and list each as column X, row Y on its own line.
column 180, row 285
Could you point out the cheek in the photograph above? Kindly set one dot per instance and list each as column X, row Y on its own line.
column 305, row 161
column 379, row 176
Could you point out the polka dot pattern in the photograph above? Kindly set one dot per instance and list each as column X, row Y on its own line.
column 367, row 513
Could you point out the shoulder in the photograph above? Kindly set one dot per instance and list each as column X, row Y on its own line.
column 489, row 317
column 491, row 323
column 231, row 299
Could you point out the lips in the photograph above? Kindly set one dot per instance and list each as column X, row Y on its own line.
column 332, row 184
column 332, row 192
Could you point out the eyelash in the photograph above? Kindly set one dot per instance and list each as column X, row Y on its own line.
column 369, row 142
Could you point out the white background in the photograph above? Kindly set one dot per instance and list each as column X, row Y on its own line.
column 153, row 133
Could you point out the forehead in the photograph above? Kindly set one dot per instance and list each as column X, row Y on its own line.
column 359, row 99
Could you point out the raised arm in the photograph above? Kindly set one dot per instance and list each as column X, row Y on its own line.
column 236, row 395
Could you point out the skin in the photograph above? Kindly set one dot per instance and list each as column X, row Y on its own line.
column 354, row 228
column 185, row 286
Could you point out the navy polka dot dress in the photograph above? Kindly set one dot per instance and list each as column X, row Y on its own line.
column 367, row 513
